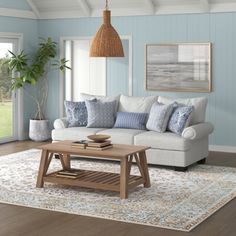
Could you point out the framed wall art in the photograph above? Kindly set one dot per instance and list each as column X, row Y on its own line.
column 178, row 67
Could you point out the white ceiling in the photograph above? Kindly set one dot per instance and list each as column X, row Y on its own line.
column 53, row 9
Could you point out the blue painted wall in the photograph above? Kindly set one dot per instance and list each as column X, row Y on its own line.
column 15, row 4
column 216, row 28
column 119, row 67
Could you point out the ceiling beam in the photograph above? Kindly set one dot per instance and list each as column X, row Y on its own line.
column 34, row 8
column 9, row 12
column 205, row 5
column 150, row 7
column 85, row 7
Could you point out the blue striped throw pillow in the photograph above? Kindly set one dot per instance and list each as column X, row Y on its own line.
column 131, row 120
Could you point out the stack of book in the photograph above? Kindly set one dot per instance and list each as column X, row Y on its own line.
column 80, row 144
column 91, row 145
column 71, row 174
column 99, row 146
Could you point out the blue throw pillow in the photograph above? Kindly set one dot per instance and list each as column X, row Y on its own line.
column 159, row 117
column 180, row 118
column 101, row 114
column 76, row 113
column 131, row 120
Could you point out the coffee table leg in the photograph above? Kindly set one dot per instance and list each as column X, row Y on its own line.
column 42, row 166
column 65, row 161
column 50, row 156
column 124, row 178
column 144, row 166
column 130, row 159
column 66, row 158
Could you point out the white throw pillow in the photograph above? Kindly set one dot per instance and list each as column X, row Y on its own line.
column 199, row 105
column 136, row 104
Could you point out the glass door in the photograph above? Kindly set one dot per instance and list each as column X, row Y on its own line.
column 7, row 97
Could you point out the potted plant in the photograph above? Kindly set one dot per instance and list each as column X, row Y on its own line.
column 34, row 72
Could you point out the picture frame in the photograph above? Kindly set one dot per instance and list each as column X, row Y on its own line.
column 178, row 67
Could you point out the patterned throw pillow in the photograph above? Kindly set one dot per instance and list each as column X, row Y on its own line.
column 100, row 114
column 180, row 118
column 131, row 120
column 76, row 113
column 159, row 117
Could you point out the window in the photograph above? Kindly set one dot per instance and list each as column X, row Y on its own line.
column 88, row 75
column 6, row 99
column 9, row 101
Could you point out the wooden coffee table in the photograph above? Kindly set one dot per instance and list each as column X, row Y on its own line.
column 123, row 182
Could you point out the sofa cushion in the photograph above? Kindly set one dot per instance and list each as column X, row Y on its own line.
column 122, row 136
column 166, row 141
column 101, row 114
column 131, row 120
column 73, row 133
column 180, row 118
column 85, row 96
column 76, row 113
column 159, row 117
column 199, row 105
column 136, row 104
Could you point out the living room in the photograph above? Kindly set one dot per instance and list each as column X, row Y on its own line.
column 117, row 117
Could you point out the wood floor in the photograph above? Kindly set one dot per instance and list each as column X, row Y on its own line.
column 22, row 221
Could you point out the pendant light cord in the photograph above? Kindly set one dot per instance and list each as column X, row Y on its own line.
column 106, row 4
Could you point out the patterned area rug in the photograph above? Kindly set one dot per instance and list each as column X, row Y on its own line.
column 175, row 200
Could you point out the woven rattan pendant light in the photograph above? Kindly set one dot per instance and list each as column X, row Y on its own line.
column 106, row 42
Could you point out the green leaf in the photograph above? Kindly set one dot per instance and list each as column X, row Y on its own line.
column 33, row 81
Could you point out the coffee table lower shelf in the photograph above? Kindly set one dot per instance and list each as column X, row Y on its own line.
column 95, row 180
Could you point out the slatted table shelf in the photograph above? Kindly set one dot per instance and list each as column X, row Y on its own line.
column 94, row 179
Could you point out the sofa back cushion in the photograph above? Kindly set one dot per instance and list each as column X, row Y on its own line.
column 131, row 120
column 159, row 117
column 136, row 104
column 100, row 114
column 85, row 96
column 199, row 104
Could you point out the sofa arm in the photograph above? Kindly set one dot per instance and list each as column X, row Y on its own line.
column 60, row 123
column 198, row 131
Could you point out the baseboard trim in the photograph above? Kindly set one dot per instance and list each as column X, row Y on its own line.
column 218, row 148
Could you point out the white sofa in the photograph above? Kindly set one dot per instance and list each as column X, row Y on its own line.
column 166, row 148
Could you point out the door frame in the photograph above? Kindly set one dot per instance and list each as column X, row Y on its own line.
column 17, row 97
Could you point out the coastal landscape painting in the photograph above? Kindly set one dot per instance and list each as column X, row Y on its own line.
column 178, row 67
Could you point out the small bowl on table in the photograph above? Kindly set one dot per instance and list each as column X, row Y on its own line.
column 99, row 138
